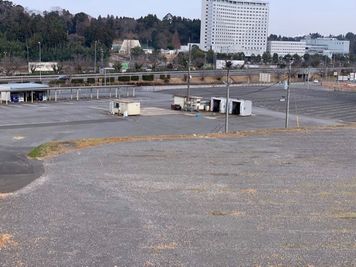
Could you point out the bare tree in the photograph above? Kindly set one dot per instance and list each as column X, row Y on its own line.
column 9, row 65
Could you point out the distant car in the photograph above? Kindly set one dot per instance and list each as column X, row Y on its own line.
column 63, row 78
column 316, row 81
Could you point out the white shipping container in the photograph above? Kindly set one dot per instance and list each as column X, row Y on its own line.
column 121, row 107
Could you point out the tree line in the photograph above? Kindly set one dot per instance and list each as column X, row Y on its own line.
column 63, row 36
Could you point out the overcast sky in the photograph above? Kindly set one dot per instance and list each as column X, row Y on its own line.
column 288, row 17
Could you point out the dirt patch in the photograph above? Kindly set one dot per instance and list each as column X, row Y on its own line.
column 3, row 196
column 6, row 240
column 249, row 191
column 165, row 246
column 227, row 213
column 346, row 215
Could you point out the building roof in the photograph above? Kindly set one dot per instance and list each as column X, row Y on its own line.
column 22, row 87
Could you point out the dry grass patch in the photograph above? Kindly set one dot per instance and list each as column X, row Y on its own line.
column 6, row 240
column 52, row 149
column 346, row 215
column 249, row 191
column 165, row 246
column 226, row 213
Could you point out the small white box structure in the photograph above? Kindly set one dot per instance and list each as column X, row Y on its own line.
column 342, row 78
column 193, row 102
column 125, row 107
column 265, row 77
column 236, row 106
column 240, row 107
column 218, row 104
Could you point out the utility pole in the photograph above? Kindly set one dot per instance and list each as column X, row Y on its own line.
column 188, row 79
column 95, row 44
column 228, row 66
column 102, row 57
column 288, row 94
column 27, row 52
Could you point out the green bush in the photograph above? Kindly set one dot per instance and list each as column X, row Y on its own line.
column 148, row 77
column 135, row 78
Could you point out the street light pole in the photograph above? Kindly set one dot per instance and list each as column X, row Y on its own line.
column 288, row 95
column 40, row 58
column 95, row 44
column 228, row 66
column 39, row 52
column 188, row 80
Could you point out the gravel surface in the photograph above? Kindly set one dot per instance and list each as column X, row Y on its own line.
column 282, row 200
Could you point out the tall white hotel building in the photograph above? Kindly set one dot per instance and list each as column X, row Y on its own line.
column 232, row 26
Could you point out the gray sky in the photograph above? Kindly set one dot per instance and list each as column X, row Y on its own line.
column 288, row 17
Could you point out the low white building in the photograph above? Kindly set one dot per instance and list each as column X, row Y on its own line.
column 283, row 48
column 327, row 45
column 23, row 92
column 42, row 67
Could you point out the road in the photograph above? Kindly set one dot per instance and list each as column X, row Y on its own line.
column 173, row 73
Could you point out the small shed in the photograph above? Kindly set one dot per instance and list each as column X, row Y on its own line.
column 125, row 107
column 240, row 107
column 218, row 104
column 23, row 92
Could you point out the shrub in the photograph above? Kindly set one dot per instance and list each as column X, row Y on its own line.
column 91, row 80
column 124, row 79
column 77, row 81
column 135, row 78
column 148, row 77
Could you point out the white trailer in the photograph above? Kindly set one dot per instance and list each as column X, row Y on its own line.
column 125, row 107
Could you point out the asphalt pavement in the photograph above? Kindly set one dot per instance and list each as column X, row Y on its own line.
column 284, row 199
column 24, row 126
column 314, row 102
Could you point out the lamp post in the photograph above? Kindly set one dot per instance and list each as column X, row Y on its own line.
column 228, row 66
column 40, row 58
column 39, row 52
column 188, row 80
column 288, row 94
column 95, row 44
